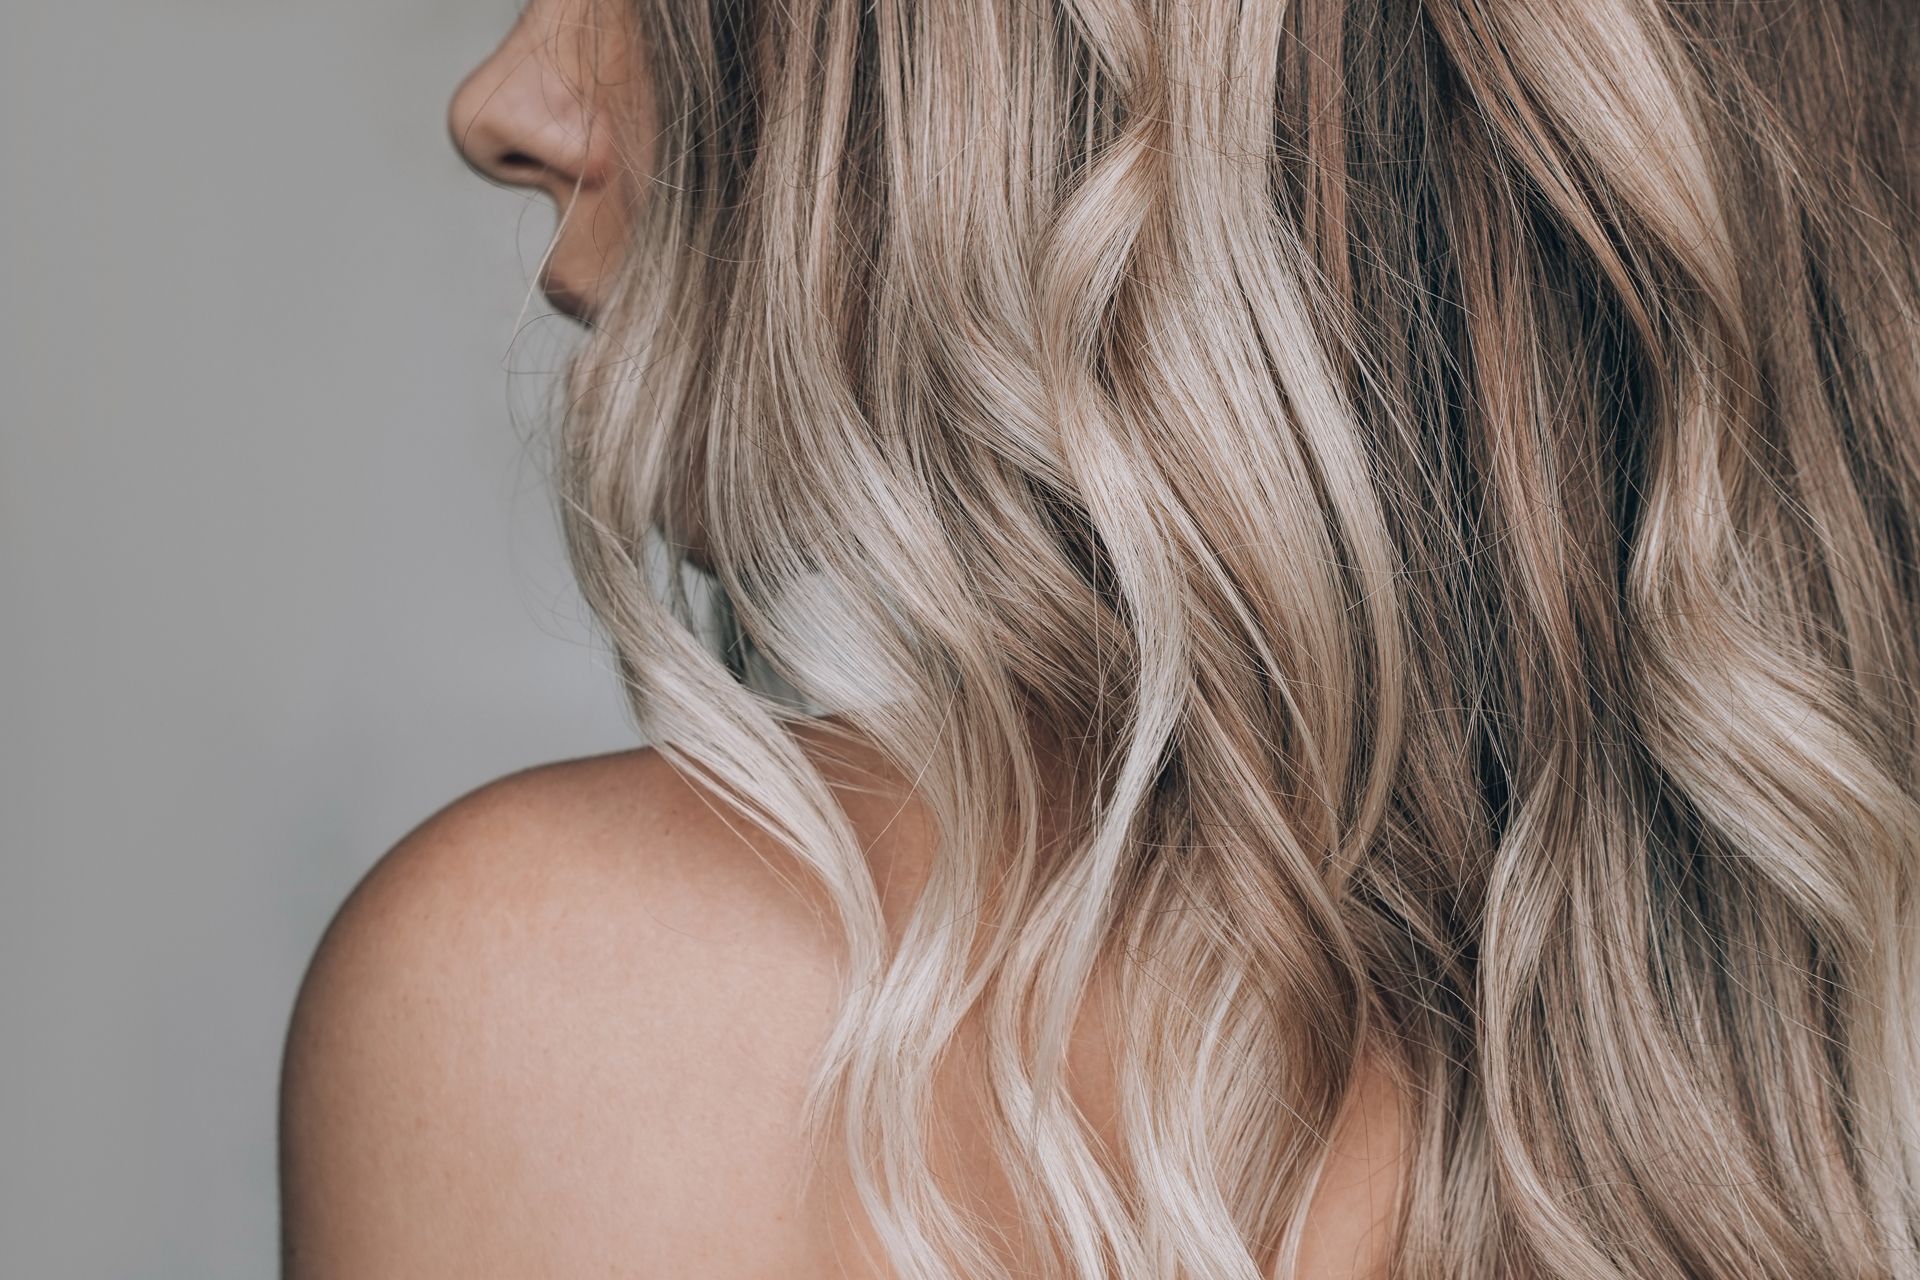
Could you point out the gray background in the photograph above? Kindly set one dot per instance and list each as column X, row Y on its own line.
column 278, row 571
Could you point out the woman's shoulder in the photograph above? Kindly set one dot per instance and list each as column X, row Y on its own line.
column 565, row 1023
column 565, row 1027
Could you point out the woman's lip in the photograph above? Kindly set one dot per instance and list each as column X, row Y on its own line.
column 568, row 301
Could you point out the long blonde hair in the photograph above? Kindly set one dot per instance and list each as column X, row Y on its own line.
column 1449, row 470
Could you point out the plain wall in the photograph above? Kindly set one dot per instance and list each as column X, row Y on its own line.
column 278, row 571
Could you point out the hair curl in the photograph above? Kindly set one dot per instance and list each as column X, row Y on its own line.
column 1449, row 472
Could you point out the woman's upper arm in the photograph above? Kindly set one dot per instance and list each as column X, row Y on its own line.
column 402, row 1073
column 518, row 1049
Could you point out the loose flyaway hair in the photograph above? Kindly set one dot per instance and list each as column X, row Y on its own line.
column 1446, row 476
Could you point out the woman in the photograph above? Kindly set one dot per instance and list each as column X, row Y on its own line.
column 1339, row 582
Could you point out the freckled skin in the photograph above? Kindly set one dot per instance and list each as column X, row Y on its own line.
column 564, row 1028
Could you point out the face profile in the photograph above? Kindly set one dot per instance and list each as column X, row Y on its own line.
column 536, row 114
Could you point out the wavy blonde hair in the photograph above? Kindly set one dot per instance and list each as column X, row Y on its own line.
column 1449, row 473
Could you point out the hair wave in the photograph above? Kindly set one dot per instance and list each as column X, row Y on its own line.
column 1449, row 473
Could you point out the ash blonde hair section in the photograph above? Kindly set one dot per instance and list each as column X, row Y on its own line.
column 1447, row 473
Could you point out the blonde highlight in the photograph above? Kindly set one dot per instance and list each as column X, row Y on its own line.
column 1444, row 475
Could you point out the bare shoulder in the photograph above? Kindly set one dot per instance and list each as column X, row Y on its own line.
column 562, row 1028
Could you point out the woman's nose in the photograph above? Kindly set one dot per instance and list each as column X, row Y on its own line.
column 521, row 118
